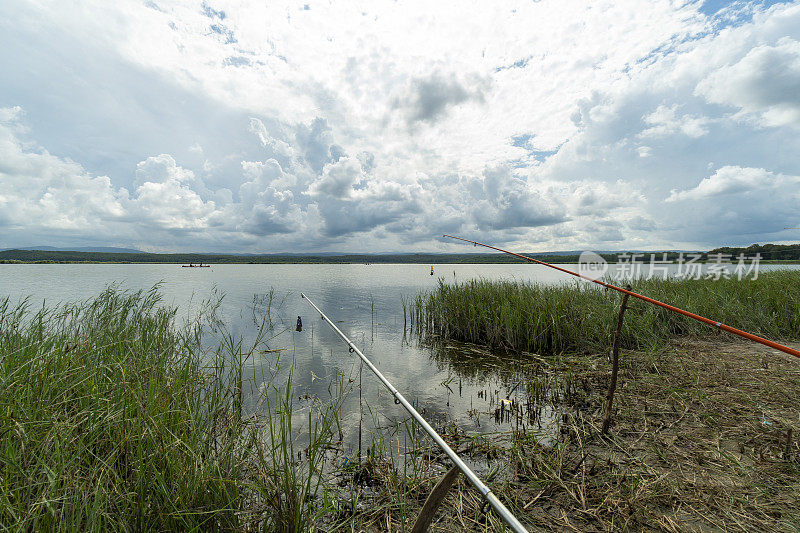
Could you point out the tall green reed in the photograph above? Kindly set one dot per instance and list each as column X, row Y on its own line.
column 114, row 418
column 109, row 420
column 579, row 317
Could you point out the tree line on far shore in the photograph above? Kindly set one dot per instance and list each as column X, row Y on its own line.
column 769, row 252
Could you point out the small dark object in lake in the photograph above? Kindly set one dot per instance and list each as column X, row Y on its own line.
column 299, row 324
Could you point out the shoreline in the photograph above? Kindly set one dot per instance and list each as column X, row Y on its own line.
column 103, row 405
column 768, row 254
column 434, row 263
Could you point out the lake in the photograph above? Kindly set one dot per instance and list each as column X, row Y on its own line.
column 365, row 301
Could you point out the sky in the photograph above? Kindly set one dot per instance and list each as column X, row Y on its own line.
column 268, row 127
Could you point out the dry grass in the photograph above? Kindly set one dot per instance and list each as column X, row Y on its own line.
column 698, row 443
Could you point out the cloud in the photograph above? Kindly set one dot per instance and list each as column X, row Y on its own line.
column 601, row 199
column 40, row 192
column 267, row 201
column 338, row 180
column 278, row 147
column 351, row 201
column 665, row 121
column 732, row 180
column 739, row 201
column 316, row 143
column 264, row 128
column 765, row 83
column 506, row 202
column 10, row 115
column 430, row 97
column 162, row 169
column 44, row 192
column 163, row 197
column 658, row 132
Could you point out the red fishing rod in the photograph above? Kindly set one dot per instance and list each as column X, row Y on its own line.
column 718, row 325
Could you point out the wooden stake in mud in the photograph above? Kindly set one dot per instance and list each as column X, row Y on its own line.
column 435, row 499
column 615, row 362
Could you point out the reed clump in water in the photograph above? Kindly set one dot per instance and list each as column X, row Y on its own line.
column 114, row 419
column 579, row 317
column 109, row 421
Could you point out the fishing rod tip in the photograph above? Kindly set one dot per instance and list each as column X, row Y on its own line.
column 302, row 295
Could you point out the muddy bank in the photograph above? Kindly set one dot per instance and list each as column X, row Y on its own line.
column 704, row 437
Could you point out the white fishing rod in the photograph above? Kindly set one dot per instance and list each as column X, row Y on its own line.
column 498, row 506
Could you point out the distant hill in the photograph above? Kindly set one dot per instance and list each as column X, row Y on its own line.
column 100, row 255
column 55, row 256
column 101, row 249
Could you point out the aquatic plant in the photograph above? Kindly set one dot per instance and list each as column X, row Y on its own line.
column 580, row 317
column 113, row 418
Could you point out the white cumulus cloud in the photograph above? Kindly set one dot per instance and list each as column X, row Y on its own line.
column 765, row 83
column 270, row 127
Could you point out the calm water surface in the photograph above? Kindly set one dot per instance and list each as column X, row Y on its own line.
column 364, row 301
